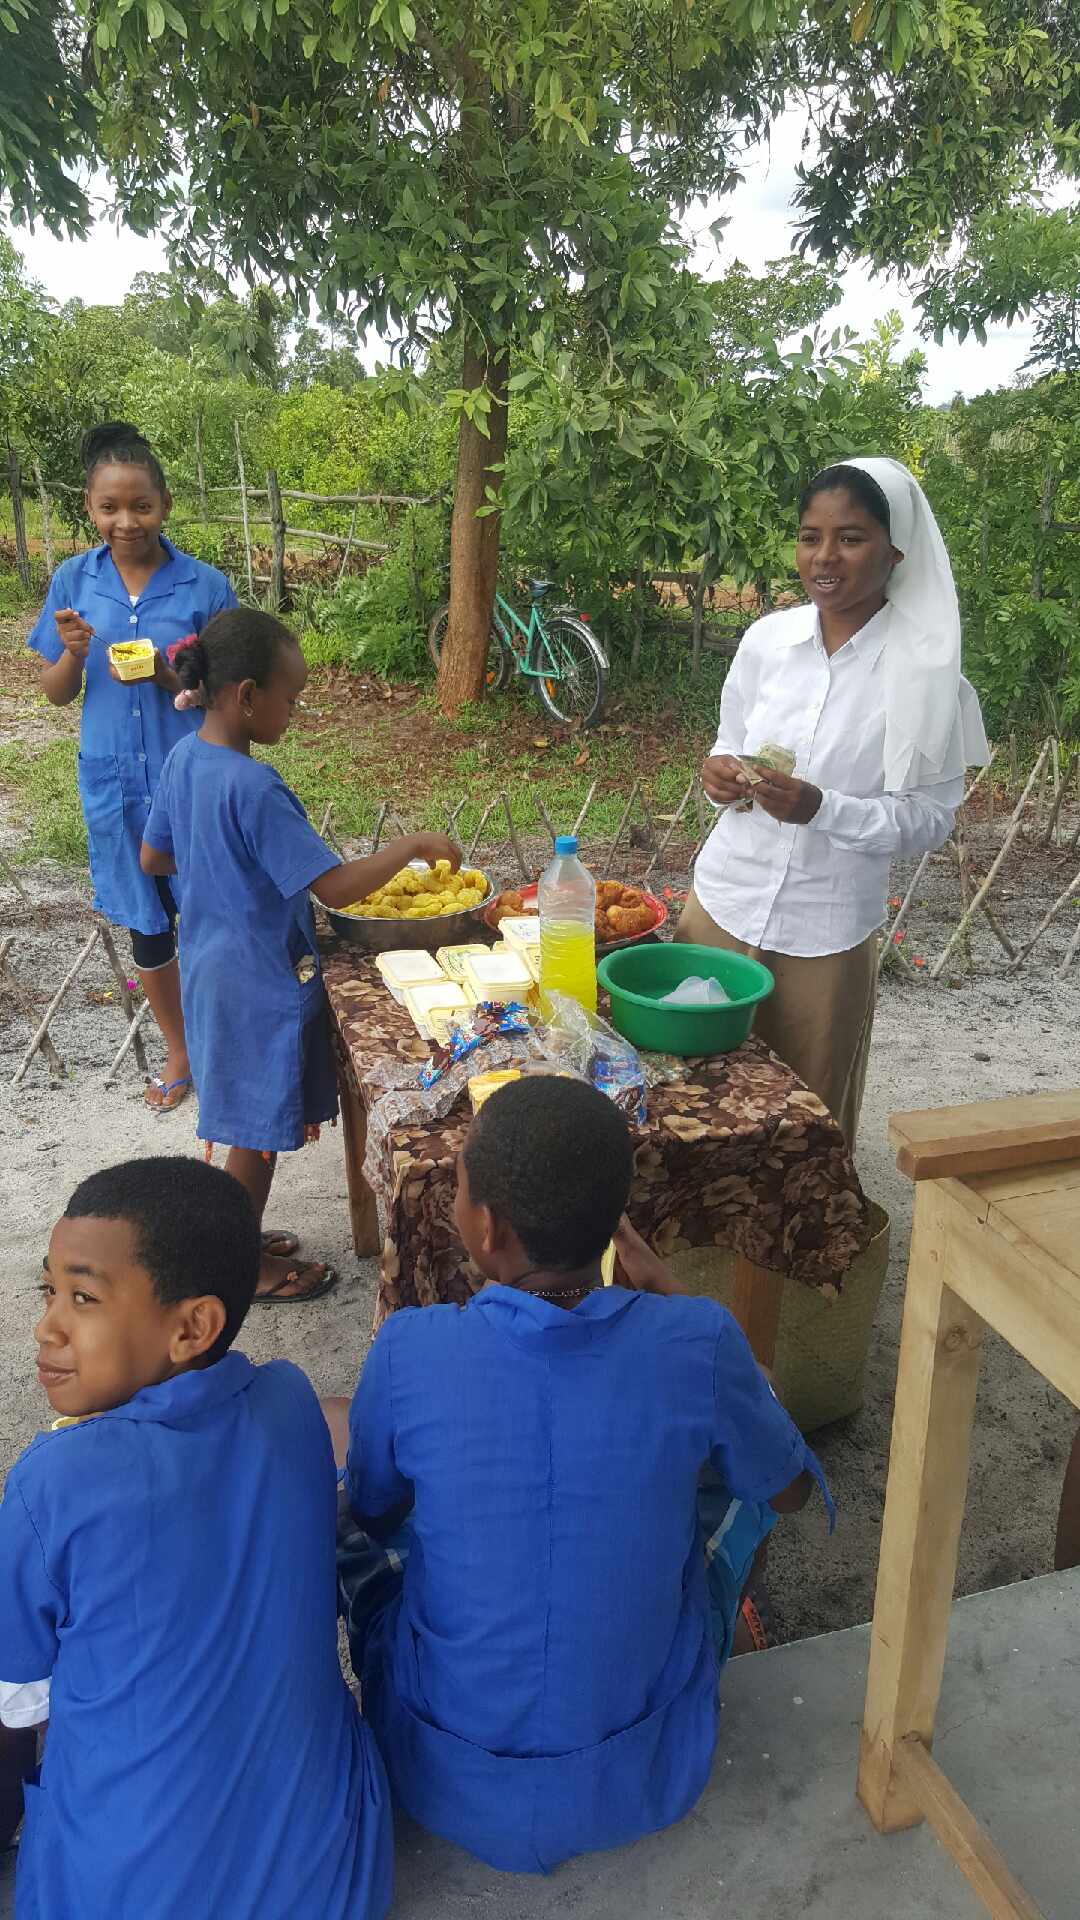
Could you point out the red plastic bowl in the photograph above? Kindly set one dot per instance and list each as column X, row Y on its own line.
column 604, row 946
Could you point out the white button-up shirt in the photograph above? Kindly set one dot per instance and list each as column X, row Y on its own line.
column 821, row 888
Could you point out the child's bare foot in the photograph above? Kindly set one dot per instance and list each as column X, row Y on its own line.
column 284, row 1282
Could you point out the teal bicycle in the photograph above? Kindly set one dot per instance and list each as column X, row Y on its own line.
column 556, row 650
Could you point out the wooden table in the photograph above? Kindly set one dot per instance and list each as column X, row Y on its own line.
column 737, row 1153
column 996, row 1243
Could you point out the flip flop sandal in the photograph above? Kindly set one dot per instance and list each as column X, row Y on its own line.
column 166, row 1104
column 753, row 1621
column 273, row 1296
column 281, row 1241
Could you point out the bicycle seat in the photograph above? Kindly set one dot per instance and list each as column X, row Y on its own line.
column 538, row 588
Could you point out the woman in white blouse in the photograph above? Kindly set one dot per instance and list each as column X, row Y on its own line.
column 864, row 687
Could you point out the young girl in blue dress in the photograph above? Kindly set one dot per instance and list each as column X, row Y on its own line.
column 247, row 860
column 136, row 585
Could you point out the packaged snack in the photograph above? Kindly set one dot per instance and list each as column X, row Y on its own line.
column 430, row 998
column 483, row 1085
column 405, row 968
column 584, row 1043
column 521, row 931
column 499, row 974
column 452, row 959
column 491, row 1022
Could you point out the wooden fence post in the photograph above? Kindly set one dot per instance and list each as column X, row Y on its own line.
column 46, row 517
column 22, row 551
column 277, row 542
column 244, row 521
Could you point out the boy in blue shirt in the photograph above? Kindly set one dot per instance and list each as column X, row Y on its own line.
column 167, row 1591
column 543, row 1681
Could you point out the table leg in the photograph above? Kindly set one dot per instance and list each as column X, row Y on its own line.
column 362, row 1207
column 940, row 1350
column 757, row 1296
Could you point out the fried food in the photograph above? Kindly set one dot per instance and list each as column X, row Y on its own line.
column 628, row 920
column 416, row 894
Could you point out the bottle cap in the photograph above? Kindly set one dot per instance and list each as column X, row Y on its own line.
column 566, row 843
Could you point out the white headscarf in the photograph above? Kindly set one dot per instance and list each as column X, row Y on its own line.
column 931, row 733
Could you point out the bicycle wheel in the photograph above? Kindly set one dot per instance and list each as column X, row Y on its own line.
column 575, row 690
column 499, row 664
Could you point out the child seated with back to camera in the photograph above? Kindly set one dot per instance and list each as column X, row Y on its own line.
column 167, row 1587
column 577, row 1481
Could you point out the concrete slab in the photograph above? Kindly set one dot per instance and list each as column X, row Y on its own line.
column 779, row 1835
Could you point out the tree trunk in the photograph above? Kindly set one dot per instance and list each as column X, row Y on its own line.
column 699, row 615
column 46, row 518
column 474, row 544
column 22, row 551
column 639, row 622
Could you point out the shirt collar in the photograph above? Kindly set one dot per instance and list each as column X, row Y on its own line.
column 529, row 1321
column 185, row 1396
column 868, row 642
column 177, row 569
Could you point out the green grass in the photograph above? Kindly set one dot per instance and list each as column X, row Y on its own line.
column 46, row 797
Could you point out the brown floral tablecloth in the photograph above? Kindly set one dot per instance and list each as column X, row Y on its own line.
column 738, row 1154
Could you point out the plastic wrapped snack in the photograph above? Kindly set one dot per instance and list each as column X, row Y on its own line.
column 486, row 1024
column 578, row 1042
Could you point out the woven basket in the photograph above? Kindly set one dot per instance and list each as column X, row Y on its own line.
column 822, row 1344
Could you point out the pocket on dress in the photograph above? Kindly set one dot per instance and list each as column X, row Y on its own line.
column 102, row 795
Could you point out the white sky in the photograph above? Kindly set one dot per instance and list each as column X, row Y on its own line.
column 760, row 230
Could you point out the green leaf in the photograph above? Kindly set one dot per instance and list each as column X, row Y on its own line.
column 407, row 22
column 155, row 19
column 519, row 381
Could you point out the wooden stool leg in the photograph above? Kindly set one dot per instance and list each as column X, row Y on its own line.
column 362, row 1207
column 940, row 1350
column 756, row 1299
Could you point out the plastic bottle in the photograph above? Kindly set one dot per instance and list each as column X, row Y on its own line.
column 567, row 898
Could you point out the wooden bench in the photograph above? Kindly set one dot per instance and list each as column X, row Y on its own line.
column 996, row 1243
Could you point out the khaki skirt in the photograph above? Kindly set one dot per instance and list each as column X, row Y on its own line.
column 818, row 1018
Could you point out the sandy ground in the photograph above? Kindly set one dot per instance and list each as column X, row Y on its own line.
column 933, row 1044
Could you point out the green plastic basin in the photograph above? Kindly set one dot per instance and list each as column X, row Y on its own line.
column 637, row 979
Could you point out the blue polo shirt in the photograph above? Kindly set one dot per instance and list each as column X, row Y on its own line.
column 171, row 1565
column 546, row 1682
column 127, row 730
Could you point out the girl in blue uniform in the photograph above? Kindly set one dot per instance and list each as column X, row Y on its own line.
column 247, row 858
column 136, row 585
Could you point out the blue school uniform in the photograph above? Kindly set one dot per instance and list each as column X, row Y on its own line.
column 127, row 730
column 171, row 1565
column 255, row 1013
column 544, row 1682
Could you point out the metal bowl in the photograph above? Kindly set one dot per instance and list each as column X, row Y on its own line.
column 388, row 936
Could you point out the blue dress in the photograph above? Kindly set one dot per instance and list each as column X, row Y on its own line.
column 255, row 1012
column 544, row 1683
column 170, row 1565
column 127, row 731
